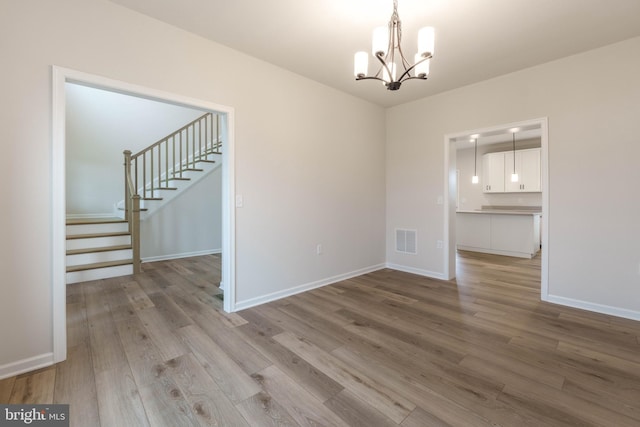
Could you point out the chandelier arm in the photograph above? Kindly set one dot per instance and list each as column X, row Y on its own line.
column 371, row 78
column 386, row 67
column 413, row 78
column 405, row 63
column 406, row 76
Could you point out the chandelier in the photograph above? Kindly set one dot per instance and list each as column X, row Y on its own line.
column 386, row 49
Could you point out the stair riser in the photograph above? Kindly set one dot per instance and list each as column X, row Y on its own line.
column 91, row 258
column 98, row 242
column 116, row 227
column 99, row 273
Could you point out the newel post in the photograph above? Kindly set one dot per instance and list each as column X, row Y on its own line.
column 135, row 232
column 127, row 180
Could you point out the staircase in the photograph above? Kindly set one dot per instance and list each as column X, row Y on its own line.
column 98, row 249
column 110, row 247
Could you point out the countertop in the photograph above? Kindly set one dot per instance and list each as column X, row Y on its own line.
column 501, row 212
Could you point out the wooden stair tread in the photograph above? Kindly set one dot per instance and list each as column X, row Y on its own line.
column 192, row 170
column 93, row 235
column 177, row 178
column 105, row 264
column 89, row 221
column 101, row 249
column 150, row 198
column 164, row 188
column 206, row 161
column 141, row 209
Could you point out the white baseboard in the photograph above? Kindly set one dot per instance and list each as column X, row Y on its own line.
column 418, row 271
column 26, row 365
column 241, row 305
column 181, row 255
column 590, row 306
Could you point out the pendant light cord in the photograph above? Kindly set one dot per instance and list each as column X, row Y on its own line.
column 514, row 152
column 475, row 159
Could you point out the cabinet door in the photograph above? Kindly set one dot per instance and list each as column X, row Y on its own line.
column 527, row 166
column 530, row 166
column 513, row 233
column 493, row 173
column 510, row 186
column 473, row 230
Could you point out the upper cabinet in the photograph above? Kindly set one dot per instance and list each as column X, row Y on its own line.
column 493, row 173
column 528, row 170
column 498, row 167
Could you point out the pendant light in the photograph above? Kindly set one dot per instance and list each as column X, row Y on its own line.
column 474, row 178
column 514, row 175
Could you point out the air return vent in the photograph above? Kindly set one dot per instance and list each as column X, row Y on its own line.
column 407, row 241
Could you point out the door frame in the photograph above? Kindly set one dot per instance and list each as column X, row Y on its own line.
column 61, row 76
column 451, row 185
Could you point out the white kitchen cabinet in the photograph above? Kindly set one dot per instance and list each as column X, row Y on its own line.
column 510, row 234
column 493, row 172
column 473, row 231
column 527, row 166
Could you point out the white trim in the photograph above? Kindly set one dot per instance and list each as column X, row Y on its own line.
column 590, row 306
column 181, row 255
column 26, row 365
column 228, row 279
column 544, row 273
column 61, row 76
column 58, row 218
column 449, row 214
column 418, row 271
column 241, row 305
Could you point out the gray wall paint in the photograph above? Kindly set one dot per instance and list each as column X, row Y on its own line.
column 189, row 224
column 592, row 102
column 294, row 197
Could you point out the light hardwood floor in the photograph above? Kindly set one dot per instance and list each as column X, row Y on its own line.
column 384, row 349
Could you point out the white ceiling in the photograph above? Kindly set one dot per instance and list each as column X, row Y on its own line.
column 475, row 39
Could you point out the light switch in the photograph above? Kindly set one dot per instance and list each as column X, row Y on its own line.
column 440, row 200
column 239, row 201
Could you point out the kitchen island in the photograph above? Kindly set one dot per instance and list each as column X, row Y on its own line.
column 507, row 232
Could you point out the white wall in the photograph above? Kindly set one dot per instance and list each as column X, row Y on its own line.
column 592, row 101
column 471, row 195
column 294, row 197
column 100, row 125
column 188, row 225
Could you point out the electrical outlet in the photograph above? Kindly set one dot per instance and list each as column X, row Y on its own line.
column 439, row 244
column 319, row 249
column 440, row 200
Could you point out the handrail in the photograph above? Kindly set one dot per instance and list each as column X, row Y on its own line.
column 169, row 136
column 152, row 168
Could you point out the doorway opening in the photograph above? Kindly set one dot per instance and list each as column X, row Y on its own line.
column 535, row 128
column 61, row 76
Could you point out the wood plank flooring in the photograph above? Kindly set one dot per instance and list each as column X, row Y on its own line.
column 384, row 349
